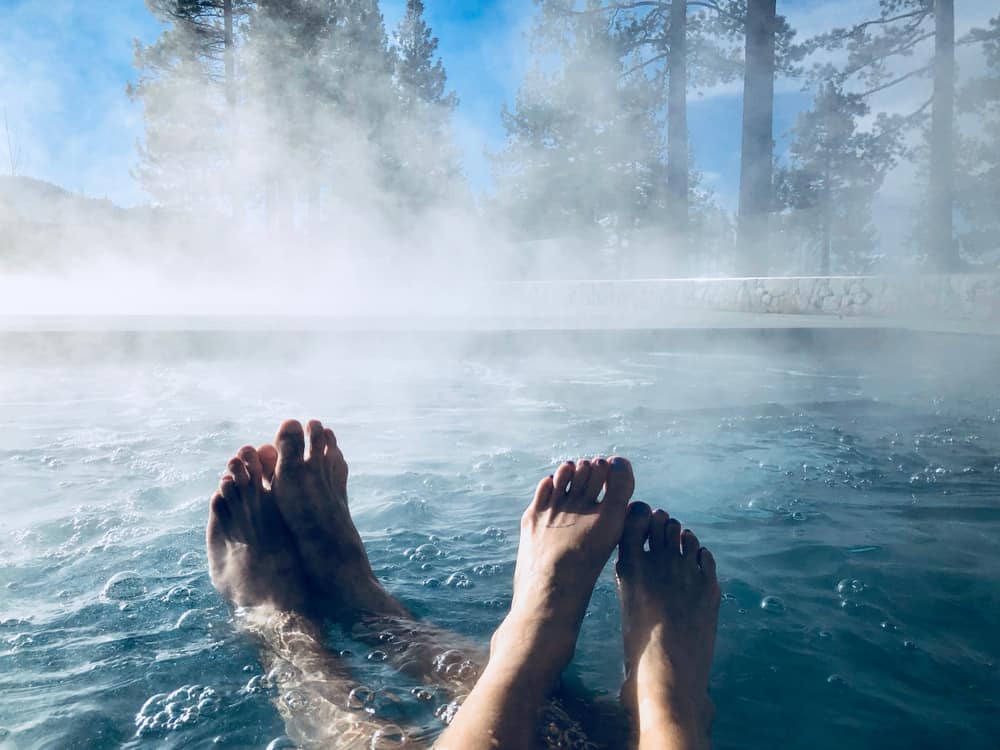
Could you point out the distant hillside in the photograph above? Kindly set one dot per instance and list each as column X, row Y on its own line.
column 44, row 226
column 36, row 201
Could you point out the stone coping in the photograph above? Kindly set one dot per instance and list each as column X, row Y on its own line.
column 954, row 296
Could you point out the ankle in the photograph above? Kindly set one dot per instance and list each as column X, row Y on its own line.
column 662, row 712
column 530, row 644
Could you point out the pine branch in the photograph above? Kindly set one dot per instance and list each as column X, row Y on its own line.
column 894, row 81
column 918, row 111
column 857, row 29
column 650, row 61
column 657, row 4
column 899, row 49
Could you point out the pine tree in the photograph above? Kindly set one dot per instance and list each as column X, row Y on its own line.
column 584, row 150
column 423, row 166
column 186, row 83
column 874, row 46
column 420, row 74
column 977, row 173
column 828, row 188
column 685, row 45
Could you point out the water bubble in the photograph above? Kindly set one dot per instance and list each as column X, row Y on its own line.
column 279, row 674
column 495, row 533
column 360, row 697
column 446, row 713
column 297, row 699
column 889, row 627
column 179, row 594
column 377, row 656
column 193, row 619
column 192, row 562
column 850, row 586
column 458, row 580
column 772, row 604
column 425, row 552
column 166, row 712
column 123, row 586
column 432, row 583
column 422, row 694
column 257, row 684
column 909, row 645
column 282, row 743
column 446, row 658
column 388, row 736
column 836, row 680
column 486, row 571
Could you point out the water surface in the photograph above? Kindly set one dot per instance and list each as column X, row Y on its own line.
column 852, row 509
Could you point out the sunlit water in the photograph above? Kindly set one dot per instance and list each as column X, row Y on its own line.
column 853, row 514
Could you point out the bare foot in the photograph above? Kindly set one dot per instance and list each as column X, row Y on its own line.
column 251, row 557
column 310, row 491
column 566, row 538
column 670, row 606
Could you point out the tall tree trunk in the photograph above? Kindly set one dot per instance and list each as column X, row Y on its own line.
column 827, row 219
column 677, row 128
column 758, row 143
column 942, row 243
column 230, row 57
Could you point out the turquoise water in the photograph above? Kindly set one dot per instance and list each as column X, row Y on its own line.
column 853, row 510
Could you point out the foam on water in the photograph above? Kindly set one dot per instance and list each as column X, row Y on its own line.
column 853, row 516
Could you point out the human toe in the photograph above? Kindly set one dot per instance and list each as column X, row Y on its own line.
column 637, row 521
column 620, row 483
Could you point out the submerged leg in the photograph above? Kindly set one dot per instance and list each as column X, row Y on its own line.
column 310, row 490
column 310, row 487
column 254, row 564
column 567, row 536
column 670, row 605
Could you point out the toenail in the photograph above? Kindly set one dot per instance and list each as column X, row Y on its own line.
column 638, row 509
column 619, row 464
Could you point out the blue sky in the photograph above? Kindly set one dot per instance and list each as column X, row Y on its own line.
column 64, row 65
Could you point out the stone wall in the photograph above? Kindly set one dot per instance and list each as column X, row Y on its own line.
column 959, row 296
column 956, row 296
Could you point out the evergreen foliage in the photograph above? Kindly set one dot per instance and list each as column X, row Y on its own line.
column 977, row 172
column 301, row 111
column 322, row 94
column 584, row 154
column 828, row 188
